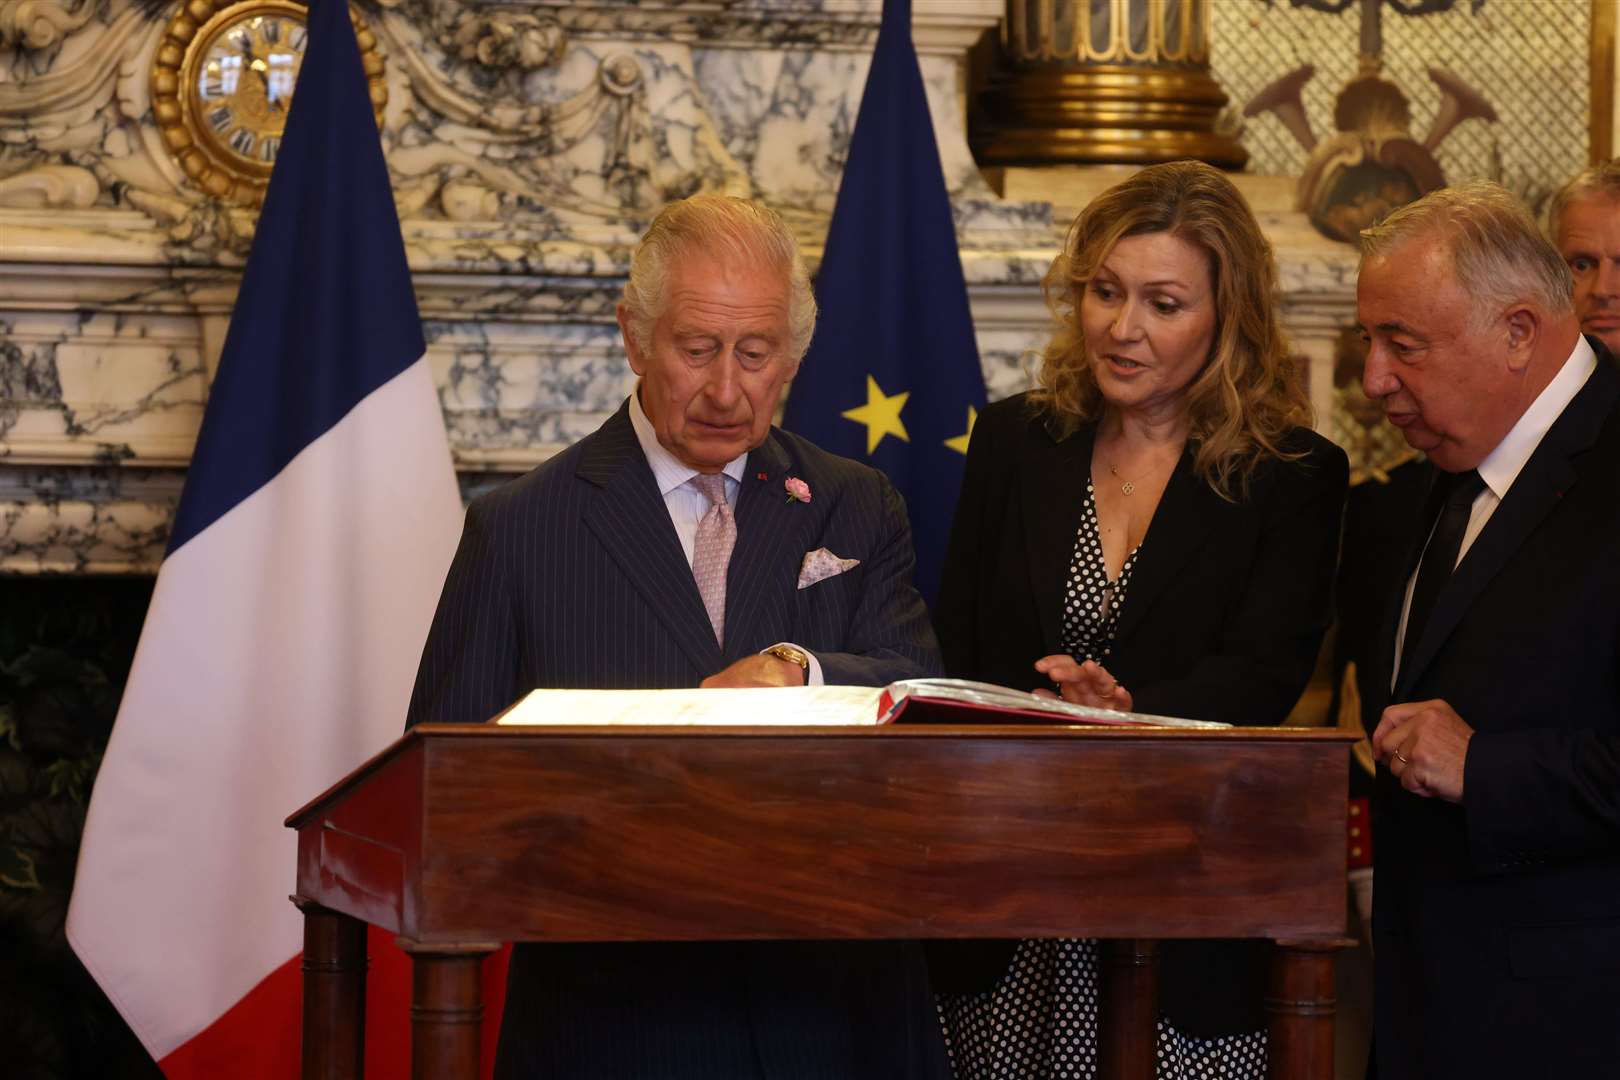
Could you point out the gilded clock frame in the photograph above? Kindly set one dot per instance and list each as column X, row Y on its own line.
column 174, row 73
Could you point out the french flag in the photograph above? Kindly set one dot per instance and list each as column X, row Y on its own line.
column 319, row 516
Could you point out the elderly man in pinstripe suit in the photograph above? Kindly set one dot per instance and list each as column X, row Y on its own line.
column 688, row 542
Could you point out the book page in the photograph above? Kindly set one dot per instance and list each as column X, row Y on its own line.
column 841, row 706
column 991, row 696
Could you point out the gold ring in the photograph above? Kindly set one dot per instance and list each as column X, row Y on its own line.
column 1402, row 758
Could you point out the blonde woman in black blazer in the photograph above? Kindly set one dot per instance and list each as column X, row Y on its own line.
column 1154, row 528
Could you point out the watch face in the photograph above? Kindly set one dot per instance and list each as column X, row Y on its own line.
column 243, row 82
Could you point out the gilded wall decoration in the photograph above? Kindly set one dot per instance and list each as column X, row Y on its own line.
column 1529, row 57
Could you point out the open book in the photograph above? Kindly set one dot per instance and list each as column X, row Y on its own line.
column 929, row 701
column 960, row 701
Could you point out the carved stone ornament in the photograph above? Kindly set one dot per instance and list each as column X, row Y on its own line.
column 39, row 24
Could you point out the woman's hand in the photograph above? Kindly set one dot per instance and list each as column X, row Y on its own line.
column 1083, row 684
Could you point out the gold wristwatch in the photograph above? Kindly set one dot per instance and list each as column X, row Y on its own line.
column 793, row 655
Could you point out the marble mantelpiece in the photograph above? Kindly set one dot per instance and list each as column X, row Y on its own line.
column 529, row 142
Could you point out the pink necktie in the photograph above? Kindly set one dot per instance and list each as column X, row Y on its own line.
column 711, row 554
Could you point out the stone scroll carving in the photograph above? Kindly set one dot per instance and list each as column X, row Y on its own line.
column 495, row 115
column 559, row 119
column 34, row 25
column 502, row 118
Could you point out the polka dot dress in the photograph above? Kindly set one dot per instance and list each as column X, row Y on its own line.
column 1040, row 1020
column 1091, row 602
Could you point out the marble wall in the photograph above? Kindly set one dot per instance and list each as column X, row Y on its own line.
column 529, row 142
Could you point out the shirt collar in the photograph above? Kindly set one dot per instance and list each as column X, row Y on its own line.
column 668, row 471
column 1504, row 464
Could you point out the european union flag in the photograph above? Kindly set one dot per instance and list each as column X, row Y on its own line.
column 892, row 376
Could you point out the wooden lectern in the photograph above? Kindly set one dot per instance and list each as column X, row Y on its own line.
column 459, row 837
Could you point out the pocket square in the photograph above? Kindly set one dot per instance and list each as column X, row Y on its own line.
column 821, row 564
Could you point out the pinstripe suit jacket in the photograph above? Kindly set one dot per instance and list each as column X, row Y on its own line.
column 573, row 577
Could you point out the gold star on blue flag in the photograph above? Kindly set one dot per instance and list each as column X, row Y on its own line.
column 892, row 377
column 960, row 442
column 880, row 414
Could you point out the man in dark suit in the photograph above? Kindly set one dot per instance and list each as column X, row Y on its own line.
column 1585, row 224
column 688, row 542
column 1496, row 909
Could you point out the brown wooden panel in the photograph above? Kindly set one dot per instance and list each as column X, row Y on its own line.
column 368, row 875
column 360, row 853
column 580, row 834
column 468, row 835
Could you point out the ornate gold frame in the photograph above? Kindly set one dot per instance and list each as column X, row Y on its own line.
column 1603, row 80
column 1082, row 44
column 191, row 28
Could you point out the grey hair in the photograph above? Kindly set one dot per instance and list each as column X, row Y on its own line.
column 1497, row 252
column 1601, row 180
column 726, row 226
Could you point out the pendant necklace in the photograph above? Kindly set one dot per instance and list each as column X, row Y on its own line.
column 1126, row 487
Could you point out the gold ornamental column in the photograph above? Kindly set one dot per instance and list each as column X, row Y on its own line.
column 1103, row 81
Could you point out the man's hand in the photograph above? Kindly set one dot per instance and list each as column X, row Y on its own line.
column 1424, row 743
column 1083, row 684
column 757, row 670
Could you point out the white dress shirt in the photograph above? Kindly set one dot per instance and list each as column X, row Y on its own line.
column 1503, row 465
column 685, row 503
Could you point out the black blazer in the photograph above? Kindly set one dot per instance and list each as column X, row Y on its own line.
column 573, row 577
column 1496, row 922
column 1226, row 610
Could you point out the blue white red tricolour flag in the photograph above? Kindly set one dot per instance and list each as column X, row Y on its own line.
column 319, row 516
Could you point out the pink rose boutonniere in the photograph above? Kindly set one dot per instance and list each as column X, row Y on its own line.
column 797, row 490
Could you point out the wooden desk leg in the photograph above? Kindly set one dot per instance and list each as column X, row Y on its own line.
column 447, row 1009
column 334, row 1046
column 1299, row 1010
column 1129, row 1008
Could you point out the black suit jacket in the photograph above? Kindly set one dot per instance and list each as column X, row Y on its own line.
column 573, row 577
column 1496, row 922
column 1225, row 613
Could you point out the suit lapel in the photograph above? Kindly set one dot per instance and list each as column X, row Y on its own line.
column 1188, row 513
column 1052, row 515
column 1546, row 477
column 773, row 534
column 1382, row 670
column 629, row 518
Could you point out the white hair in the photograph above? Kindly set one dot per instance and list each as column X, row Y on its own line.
column 721, row 225
column 1498, row 254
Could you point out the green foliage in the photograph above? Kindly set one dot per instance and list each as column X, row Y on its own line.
column 65, row 651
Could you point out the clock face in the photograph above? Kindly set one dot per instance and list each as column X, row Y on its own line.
column 222, row 80
column 243, row 82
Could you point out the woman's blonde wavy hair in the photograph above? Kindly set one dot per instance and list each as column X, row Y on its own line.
column 1250, row 392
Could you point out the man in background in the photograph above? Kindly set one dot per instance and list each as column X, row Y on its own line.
column 1496, row 915
column 1585, row 223
column 688, row 542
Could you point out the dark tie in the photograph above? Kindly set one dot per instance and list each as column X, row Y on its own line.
column 1440, row 557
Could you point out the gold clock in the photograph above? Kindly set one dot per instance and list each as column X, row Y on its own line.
column 222, row 79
